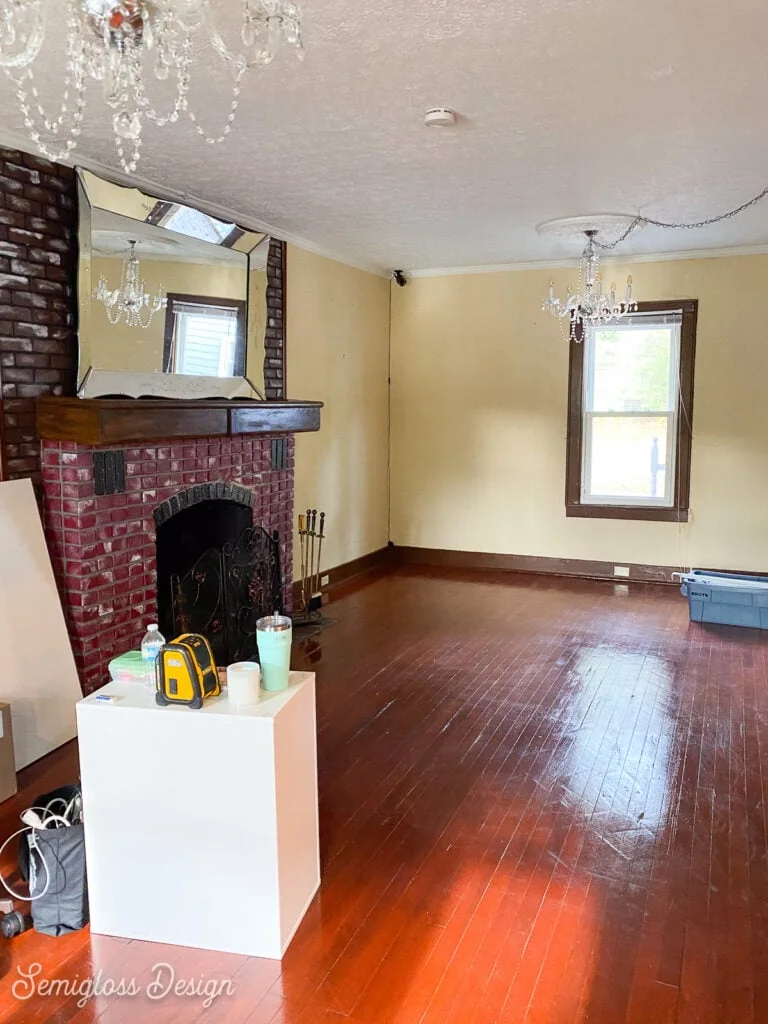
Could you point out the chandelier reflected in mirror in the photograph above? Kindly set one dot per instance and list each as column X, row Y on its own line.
column 589, row 305
column 130, row 302
column 124, row 45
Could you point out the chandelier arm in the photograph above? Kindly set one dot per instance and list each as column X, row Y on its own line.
column 217, row 42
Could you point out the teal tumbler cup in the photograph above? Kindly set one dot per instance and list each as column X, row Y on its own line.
column 273, row 637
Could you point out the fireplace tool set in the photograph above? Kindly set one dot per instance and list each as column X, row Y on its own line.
column 311, row 540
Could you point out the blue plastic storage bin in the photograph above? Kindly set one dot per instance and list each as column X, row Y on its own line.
column 726, row 598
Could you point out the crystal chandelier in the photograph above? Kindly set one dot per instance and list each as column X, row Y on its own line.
column 589, row 305
column 131, row 301
column 121, row 45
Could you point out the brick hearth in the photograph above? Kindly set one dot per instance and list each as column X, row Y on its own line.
column 103, row 546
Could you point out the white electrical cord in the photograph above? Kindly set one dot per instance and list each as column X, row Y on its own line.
column 32, row 846
column 43, row 818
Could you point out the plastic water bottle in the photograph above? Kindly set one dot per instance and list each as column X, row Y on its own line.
column 150, row 648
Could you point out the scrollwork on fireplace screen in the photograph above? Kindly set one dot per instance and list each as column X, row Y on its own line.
column 226, row 591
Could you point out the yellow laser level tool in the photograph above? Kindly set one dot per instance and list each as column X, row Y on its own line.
column 186, row 672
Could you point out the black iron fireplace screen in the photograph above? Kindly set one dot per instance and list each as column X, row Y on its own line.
column 226, row 591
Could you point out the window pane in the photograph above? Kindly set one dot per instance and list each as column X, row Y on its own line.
column 633, row 369
column 207, row 342
column 626, row 457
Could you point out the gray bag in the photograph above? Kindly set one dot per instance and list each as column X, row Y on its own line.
column 55, row 863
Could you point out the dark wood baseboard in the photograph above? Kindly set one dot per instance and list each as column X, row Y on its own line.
column 582, row 568
column 341, row 573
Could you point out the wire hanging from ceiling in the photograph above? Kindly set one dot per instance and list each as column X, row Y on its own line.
column 641, row 221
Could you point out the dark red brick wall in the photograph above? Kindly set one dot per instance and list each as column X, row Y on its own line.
column 38, row 299
column 103, row 546
column 274, row 341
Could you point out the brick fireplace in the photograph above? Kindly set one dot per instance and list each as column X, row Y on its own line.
column 103, row 545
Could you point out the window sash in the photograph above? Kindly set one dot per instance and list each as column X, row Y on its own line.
column 667, row 500
column 186, row 333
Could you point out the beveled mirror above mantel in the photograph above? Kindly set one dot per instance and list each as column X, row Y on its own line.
column 181, row 328
column 172, row 301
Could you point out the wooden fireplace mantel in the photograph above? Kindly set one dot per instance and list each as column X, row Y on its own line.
column 103, row 421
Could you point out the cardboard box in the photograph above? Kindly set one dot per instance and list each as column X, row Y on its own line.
column 7, row 758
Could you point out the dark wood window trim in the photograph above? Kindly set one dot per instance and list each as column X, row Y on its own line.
column 679, row 512
column 206, row 300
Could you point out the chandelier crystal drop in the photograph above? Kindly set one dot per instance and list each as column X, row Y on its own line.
column 589, row 305
column 130, row 302
column 122, row 46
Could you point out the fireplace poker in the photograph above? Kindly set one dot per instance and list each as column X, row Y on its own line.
column 320, row 539
column 308, row 581
column 312, row 556
column 302, row 534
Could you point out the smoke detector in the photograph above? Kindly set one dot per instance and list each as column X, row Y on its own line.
column 440, row 117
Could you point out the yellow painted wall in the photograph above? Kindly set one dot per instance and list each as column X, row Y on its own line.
column 479, row 400
column 338, row 352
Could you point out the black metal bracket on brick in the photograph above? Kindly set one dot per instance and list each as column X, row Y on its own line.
column 279, row 450
column 109, row 472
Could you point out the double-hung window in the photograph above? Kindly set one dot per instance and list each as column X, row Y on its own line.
column 205, row 336
column 630, row 415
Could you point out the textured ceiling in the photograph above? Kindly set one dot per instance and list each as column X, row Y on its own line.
column 567, row 107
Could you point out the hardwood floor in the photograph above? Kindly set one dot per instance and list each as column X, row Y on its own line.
column 540, row 801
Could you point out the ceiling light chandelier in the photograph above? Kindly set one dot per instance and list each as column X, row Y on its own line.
column 589, row 304
column 131, row 301
column 121, row 45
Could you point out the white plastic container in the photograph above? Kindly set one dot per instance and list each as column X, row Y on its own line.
column 244, row 684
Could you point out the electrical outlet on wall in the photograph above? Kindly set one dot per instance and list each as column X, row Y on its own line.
column 324, row 581
column 621, row 570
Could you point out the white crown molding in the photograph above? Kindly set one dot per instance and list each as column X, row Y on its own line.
column 15, row 140
column 658, row 257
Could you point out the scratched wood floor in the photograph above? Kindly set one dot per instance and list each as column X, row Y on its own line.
column 541, row 801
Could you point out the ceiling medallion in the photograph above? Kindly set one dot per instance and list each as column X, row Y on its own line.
column 123, row 45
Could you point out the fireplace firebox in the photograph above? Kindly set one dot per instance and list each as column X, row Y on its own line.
column 217, row 571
